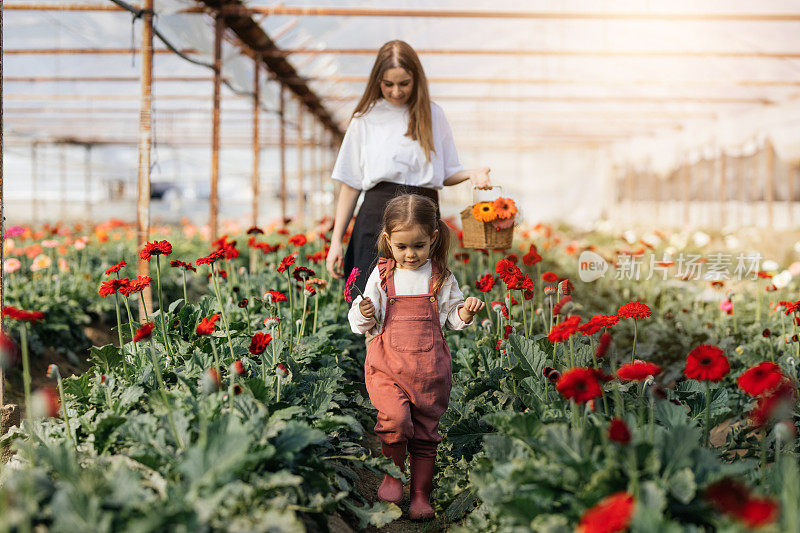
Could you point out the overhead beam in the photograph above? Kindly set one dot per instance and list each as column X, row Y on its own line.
column 256, row 41
column 434, row 80
column 477, row 97
column 90, row 51
column 439, row 13
column 559, row 53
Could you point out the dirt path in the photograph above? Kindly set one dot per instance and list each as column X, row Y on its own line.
column 368, row 485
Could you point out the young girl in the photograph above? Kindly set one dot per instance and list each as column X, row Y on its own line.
column 410, row 296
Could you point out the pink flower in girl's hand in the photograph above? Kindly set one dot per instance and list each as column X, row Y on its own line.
column 349, row 284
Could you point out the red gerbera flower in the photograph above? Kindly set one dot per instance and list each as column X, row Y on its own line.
column 566, row 287
column 734, row 499
column 613, row 513
column 116, row 268
column 507, row 270
column 549, row 277
column 706, row 363
column 144, row 331
column 45, row 402
column 298, row 240
column 579, row 384
column 135, row 285
column 259, row 343
column 598, row 322
column 186, row 266
column 602, row 345
column 638, row 370
column 485, row 283
column 561, row 304
column 302, row 273
column 112, row 286
column 564, row 330
column 532, row 257
column 634, row 310
column 155, row 248
column 618, row 431
column 14, row 313
column 286, row 262
column 229, row 250
column 499, row 307
column 276, row 296
column 238, row 367
column 9, row 352
column 775, row 405
column 761, row 378
column 207, row 325
column 462, row 256
column 211, row 258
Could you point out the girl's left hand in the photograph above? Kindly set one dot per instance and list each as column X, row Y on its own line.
column 480, row 178
column 473, row 305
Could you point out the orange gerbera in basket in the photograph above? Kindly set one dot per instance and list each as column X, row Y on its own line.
column 484, row 212
column 505, row 208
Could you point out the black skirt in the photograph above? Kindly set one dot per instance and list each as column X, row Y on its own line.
column 362, row 250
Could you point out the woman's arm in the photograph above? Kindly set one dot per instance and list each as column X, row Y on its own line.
column 348, row 197
column 478, row 176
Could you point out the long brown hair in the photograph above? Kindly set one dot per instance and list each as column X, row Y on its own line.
column 407, row 210
column 396, row 54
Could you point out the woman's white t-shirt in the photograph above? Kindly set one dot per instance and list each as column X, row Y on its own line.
column 376, row 149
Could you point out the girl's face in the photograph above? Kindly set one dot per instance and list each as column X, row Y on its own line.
column 396, row 86
column 411, row 247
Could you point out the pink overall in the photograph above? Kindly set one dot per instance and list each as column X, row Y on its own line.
column 408, row 366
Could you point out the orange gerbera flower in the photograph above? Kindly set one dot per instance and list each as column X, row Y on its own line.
column 505, row 208
column 484, row 212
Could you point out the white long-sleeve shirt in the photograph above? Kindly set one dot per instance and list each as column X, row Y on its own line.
column 408, row 281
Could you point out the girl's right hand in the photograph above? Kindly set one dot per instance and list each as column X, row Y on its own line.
column 334, row 260
column 367, row 308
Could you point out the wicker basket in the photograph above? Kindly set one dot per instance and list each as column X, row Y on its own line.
column 479, row 234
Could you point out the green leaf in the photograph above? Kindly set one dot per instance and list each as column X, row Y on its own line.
column 530, row 359
column 107, row 356
column 378, row 514
column 296, row 436
column 682, row 485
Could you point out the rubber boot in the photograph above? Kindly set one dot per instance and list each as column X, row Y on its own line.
column 391, row 490
column 423, row 460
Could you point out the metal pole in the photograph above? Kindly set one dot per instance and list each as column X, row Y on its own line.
column 256, row 147
column 282, row 114
column 145, row 140
column 723, row 188
column 62, row 176
column 214, row 198
column 301, row 188
column 34, row 183
column 87, row 169
column 770, row 181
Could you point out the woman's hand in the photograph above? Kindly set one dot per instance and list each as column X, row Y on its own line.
column 367, row 308
column 333, row 262
column 480, row 178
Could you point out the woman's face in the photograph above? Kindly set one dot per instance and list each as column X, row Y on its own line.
column 411, row 247
column 396, row 86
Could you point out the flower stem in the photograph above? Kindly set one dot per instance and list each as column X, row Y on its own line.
column 303, row 319
column 64, row 407
column 707, row 425
column 185, row 297
column 130, row 323
column 222, row 311
column 291, row 310
column 161, row 305
column 119, row 332
column 162, row 388
column 524, row 316
column 314, row 327
column 633, row 352
column 26, row 379
column 144, row 306
column 216, row 356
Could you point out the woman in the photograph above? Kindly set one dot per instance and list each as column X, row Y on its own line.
column 397, row 142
